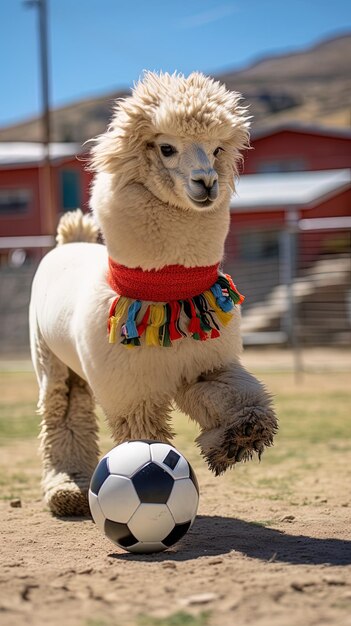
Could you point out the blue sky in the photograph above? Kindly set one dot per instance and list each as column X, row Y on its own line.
column 97, row 46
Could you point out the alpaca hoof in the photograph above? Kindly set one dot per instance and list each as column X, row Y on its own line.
column 69, row 503
column 247, row 435
column 68, row 497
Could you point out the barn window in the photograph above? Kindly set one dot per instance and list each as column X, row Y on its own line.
column 14, row 201
column 70, row 189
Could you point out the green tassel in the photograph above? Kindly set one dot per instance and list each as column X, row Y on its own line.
column 166, row 337
column 234, row 296
column 224, row 283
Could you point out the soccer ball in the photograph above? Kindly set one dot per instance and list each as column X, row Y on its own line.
column 144, row 496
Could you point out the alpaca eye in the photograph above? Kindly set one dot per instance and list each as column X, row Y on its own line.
column 167, row 150
column 217, row 151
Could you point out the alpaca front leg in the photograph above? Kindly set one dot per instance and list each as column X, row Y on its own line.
column 145, row 419
column 235, row 413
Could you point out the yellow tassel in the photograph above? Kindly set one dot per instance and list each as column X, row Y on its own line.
column 223, row 316
column 121, row 308
column 156, row 320
column 112, row 333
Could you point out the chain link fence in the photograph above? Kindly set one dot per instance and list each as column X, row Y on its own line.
column 297, row 281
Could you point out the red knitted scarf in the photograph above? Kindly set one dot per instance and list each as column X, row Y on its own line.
column 201, row 295
column 172, row 282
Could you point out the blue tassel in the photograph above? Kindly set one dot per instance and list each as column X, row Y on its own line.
column 224, row 302
column 129, row 329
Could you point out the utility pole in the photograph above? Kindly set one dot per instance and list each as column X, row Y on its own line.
column 47, row 203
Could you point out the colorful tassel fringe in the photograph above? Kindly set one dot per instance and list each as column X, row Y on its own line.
column 160, row 323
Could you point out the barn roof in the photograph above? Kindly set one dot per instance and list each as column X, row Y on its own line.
column 288, row 189
column 300, row 127
column 26, row 153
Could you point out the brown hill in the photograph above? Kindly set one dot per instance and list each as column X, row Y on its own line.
column 309, row 86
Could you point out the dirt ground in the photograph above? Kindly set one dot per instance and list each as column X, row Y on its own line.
column 271, row 545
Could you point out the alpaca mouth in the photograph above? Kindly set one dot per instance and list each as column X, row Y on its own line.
column 202, row 203
column 202, row 196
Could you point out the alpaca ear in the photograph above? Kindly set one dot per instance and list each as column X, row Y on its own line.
column 123, row 142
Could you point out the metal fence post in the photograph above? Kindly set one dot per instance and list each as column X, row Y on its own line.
column 288, row 244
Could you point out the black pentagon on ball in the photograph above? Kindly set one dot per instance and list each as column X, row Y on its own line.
column 99, row 476
column 177, row 533
column 171, row 459
column 119, row 533
column 153, row 484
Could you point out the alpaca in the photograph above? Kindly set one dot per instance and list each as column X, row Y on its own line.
column 165, row 172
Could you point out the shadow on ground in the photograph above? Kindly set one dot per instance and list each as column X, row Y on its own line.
column 216, row 535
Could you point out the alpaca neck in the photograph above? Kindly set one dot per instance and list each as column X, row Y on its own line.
column 141, row 231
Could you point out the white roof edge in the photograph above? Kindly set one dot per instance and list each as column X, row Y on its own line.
column 29, row 152
column 288, row 189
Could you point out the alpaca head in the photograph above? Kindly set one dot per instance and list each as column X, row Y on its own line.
column 180, row 137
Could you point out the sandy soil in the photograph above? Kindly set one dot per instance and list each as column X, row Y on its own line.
column 295, row 571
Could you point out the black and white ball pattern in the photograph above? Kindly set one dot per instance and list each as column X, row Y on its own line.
column 144, row 496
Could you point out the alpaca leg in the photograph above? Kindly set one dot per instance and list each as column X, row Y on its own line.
column 68, row 437
column 148, row 419
column 235, row 414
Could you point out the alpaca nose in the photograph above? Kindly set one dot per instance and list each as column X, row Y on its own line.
column 206, row 178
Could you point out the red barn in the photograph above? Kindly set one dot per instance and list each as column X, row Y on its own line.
column 292, row 173
column 264, row 202
column 23, row 210
column 295, row 148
